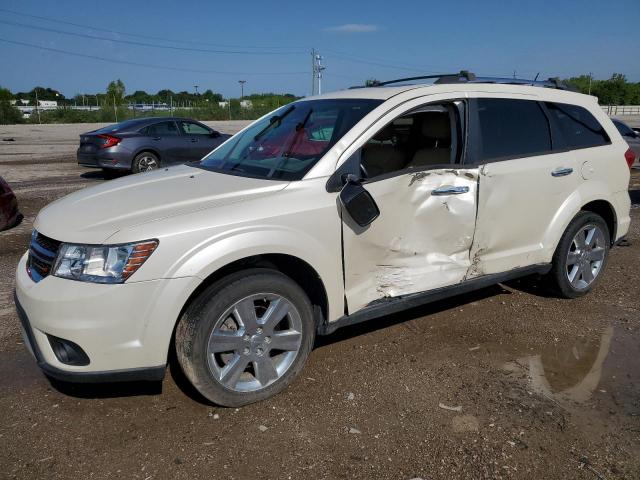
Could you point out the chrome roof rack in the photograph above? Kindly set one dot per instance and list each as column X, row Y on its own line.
column 465, row 76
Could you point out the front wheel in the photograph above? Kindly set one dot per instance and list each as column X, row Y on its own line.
column 246, row 337
column 581, row 256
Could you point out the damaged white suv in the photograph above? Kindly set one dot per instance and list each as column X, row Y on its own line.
column 329, row 211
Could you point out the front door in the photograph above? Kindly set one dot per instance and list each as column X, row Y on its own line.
column 198, row 140
column 427, row 202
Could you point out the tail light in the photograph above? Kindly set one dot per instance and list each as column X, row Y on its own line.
column 109, row 141
column 630, row 157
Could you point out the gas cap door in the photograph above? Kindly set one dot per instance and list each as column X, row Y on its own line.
column 588, row 170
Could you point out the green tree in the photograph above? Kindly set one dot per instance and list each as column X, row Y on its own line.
column 115, row 92
column 8, row 113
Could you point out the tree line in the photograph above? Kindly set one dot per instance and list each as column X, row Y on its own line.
column 114, row 101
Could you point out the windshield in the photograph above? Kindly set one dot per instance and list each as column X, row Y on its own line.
column 286, row 144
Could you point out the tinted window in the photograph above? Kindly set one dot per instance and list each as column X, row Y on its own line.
column 578, row 128
column 190, row 128
column 286, row 144
column 624, row 129
column 162, row 129
column 511, row 128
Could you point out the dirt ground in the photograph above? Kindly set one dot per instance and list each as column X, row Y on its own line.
column 503, row 383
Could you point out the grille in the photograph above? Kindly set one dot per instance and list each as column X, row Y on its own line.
column 42, row 254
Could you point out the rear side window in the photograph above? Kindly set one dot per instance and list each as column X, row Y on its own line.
column 577, row 127
column 162, row 129
column 511, row 129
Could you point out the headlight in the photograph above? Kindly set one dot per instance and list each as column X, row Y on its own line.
column 101, row 263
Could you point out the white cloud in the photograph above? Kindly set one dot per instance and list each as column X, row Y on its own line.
column 354, row 28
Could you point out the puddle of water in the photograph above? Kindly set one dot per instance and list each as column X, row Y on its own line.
column 576, row 371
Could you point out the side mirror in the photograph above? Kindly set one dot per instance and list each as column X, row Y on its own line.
column 358, row 202
column 214, row 134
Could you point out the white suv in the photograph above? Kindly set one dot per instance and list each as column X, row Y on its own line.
column 329, row 211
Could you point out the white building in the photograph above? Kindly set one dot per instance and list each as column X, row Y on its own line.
column 48, row 103
column 246, row 104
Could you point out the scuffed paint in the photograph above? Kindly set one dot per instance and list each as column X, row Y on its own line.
column 420, row 241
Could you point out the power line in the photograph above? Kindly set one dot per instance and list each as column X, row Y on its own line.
column 142, row 44
column 146, row 65
column 149, row 37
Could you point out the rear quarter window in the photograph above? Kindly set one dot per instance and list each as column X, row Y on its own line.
column 510, row 129
column 577, row 127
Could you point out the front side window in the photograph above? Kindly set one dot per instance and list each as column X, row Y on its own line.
column 578, row 128
column 511, row 129
column 423, row 138
column 190, row 128
column 288, row 143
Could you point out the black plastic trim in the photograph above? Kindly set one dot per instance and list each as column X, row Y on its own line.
column 384, row 307
column 149, row 374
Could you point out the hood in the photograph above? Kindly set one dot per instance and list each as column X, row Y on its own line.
column 94, row 214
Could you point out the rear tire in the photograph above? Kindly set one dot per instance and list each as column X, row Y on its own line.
column 581, row 256
column 145, row 162
column 246, row 337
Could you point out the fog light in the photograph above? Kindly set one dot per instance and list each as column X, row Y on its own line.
column 68, row 352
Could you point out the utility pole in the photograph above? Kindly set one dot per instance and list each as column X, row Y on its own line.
column 242, row 82
column 316, row 72
column 115, row 109
column 38, row 106
column 313, row 71
column 590, row 77
column 196, row 87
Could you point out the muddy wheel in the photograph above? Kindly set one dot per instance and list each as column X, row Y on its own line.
column 246, row 337
column 581, row 256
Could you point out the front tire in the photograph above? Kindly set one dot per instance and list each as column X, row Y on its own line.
column 581, row 256
column 246, row 337
column 145, row 162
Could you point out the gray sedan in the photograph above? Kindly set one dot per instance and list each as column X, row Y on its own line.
column 147, row 144
column 631, row 137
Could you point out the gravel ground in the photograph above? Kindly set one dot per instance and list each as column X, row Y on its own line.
column 502, row 383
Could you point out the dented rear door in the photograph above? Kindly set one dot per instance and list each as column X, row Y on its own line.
column 420, row 241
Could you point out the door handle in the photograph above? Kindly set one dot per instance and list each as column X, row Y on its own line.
column 562, row 172
column 156, row 138
column 450, row 190
column 194, row 140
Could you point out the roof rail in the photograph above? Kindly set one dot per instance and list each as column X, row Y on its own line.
column 465, row 76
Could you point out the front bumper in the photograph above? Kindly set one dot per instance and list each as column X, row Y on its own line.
column 124, row 329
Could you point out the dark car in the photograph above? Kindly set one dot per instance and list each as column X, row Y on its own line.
column 9, row 214
column 146, row 144
column 631, row 137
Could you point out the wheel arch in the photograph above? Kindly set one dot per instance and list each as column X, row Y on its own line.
column 146, row 149
column 607, row 212
column 293, row 267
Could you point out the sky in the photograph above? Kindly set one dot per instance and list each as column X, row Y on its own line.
column 176, row 45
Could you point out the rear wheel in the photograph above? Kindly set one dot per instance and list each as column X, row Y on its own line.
column 581, row 256
column 145, row 162
column 246, row 337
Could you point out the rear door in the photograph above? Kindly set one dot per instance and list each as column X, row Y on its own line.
column 200, row 140
column 165, row 138
column 524, row 181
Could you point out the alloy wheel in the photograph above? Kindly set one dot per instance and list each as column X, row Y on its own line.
column 586, row 256
column 254, row 342
column 147, row 163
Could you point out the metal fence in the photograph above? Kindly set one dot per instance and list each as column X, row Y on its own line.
column 621, row 109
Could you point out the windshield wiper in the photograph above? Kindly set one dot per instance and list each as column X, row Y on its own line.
column 275, row 119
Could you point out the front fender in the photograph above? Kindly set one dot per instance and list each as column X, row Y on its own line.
column 206, row 258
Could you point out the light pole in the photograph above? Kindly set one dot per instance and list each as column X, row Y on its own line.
column 196, row 87
column 241, row 82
